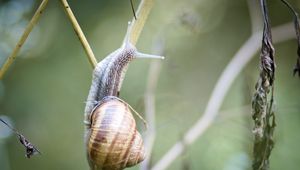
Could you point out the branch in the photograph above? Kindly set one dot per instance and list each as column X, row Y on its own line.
column 23, row 38
column 154, row 71
column 297, row 30
column 30, row 148
column 91, row 57
column 232, row 70
column 138, row 24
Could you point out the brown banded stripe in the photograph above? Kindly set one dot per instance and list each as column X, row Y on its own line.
column 113, row 132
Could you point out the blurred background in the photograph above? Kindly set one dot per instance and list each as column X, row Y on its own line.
column 43, row 94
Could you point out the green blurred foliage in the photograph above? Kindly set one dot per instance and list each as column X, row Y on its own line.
column 44, row 92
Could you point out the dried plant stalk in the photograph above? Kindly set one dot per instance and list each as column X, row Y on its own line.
column 142, row 14
column 263, row 115
column 23, row 38
column 88, row 50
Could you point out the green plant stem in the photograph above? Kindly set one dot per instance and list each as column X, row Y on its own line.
column 23, row 38
column 80, row 34
column 138, row 24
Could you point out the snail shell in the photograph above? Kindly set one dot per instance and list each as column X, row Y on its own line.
column 111, row 137
column 114, row 142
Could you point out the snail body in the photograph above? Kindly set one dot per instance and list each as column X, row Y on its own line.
column 111, row 138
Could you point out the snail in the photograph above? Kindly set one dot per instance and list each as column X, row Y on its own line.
column 111, row 137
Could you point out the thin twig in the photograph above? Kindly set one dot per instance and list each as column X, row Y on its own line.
column 154, row 71
column 142, row 15
column 291, row 8
column 23, row 38
column 8, row 125
column 132, row 8
column 91, row 57
column 30, row 148
column 232, row 70
column 297, row 29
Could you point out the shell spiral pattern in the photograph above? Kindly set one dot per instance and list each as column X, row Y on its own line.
column 113, row 143
column 111, row 138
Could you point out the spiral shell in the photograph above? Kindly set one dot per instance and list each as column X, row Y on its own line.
column 113, row 142
column 111, row 137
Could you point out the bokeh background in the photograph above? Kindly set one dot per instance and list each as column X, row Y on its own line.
column 43, row 93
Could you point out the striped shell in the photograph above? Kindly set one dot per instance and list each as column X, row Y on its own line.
column 113, row 142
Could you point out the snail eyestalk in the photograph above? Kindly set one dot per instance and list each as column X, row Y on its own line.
column 143, row 55
column 126, row 40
